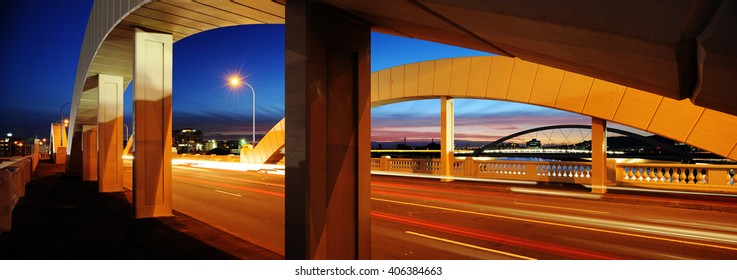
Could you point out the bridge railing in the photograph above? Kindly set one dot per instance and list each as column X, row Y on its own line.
column 694, row 177
column 14, row 175
column 224, row 158
column 564, row 172
column 690, row 177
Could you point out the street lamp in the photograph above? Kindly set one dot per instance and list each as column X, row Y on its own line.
column 235, row 82
column 126, row 132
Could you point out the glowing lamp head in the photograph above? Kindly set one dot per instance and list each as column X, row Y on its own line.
column 66, row 122
column 235, row 81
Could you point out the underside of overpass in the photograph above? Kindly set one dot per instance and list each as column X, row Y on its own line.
column 675, row 50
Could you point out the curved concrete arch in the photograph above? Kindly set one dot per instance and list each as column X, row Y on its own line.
column 516, row 80
column 269, row 149
column 107, row 47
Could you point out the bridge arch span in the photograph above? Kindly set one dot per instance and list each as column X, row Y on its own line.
column 516, row 80
column 641, row 138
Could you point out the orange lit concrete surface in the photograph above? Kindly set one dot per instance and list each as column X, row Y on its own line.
column 447, row 143
column 110, row 132
column 152, row 124
column 89, row 153
column 605, row 60
column 516, row 80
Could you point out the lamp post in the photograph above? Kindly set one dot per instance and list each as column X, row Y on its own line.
column 234, row 82
column 126, row 132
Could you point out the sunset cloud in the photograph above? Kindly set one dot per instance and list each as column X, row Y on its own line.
column 475, row 120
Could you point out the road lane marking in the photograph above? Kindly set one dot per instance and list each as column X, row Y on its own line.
column 469, row 245
column 231, row 179
column 559, row 224
column 229, row 186
column 229, row 193
column 562, row 208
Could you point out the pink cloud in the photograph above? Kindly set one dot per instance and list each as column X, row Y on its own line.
column 477, row 128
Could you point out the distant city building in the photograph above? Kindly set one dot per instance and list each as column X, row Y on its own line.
column 211, row 144
column 508, row 146
column 232, row 146
column 534, row 144
column 188, row 140
column 5, row 147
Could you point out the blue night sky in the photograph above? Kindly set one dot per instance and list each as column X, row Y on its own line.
column 42, row 40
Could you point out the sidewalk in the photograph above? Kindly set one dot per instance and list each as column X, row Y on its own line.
column 62, row 217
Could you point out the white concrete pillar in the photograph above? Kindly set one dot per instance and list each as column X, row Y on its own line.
column 598, row 155
column 447, row 142
column 152, row 79
column 89, row 153
column 110, row 132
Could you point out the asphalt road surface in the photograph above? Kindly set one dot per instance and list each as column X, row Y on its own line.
column 424, row 219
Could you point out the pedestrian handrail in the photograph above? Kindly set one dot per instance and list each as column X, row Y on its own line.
column 700, row 177
column 691, row 177
column 14, row 175
column 223, row 158
column 541, row 171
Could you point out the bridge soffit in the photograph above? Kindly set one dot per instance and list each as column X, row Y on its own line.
column 505, row 79
column 515, row 80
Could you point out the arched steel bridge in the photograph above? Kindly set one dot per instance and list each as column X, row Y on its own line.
column 664, row 145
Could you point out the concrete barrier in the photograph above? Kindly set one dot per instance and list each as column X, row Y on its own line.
column 14, row 175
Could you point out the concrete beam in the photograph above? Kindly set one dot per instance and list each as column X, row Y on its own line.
column 152, row 124
column 598, row 155
column 328, row 134
column 447, row 143
column 110, row 132
column 89, row 153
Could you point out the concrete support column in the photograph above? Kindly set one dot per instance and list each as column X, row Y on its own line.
column 74, row 159
column 89, row 153
column 152, row 76
column 61, row 155
column 328, row 134
column 447, row 142
column 110, row 129
column 59, row 139
column 35, row 155
column 598, row 155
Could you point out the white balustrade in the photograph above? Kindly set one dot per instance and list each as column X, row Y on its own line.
column 710, row 178
column 693, row 176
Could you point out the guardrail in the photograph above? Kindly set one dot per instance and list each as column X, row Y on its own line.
column 225, row 158
column 564, row 172
column 14, row 175
column 694, row 177
column 690, row 177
